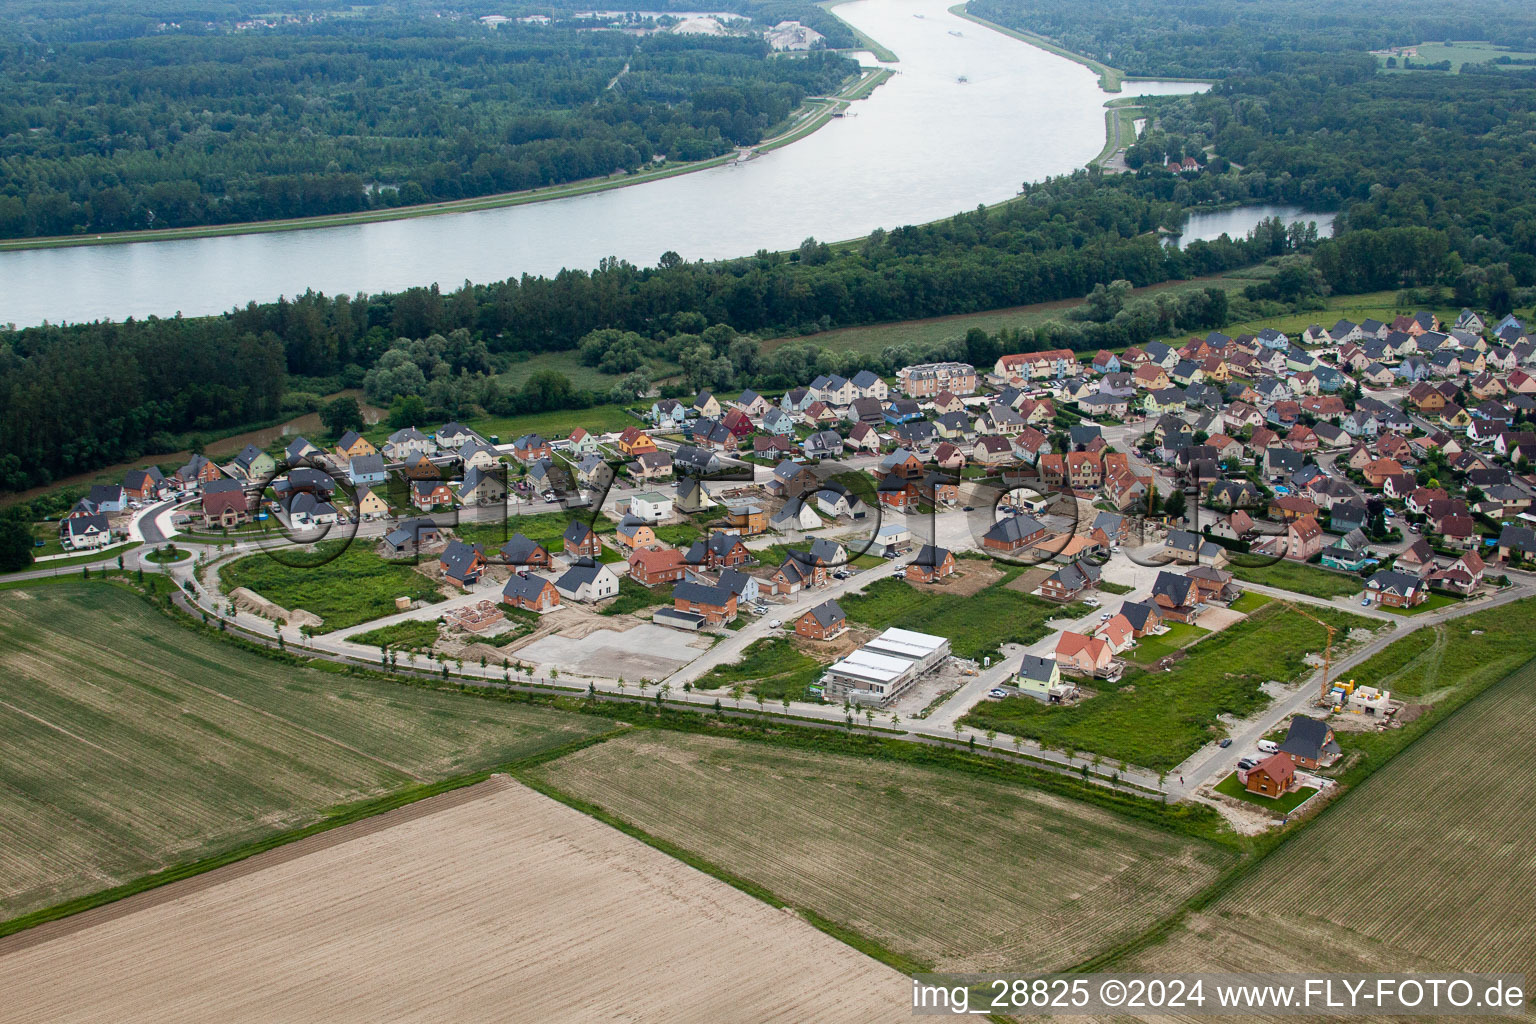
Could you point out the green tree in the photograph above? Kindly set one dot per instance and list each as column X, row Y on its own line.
column 341, row 415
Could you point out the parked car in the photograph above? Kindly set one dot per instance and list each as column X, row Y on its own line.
column 1226, row 741
column 969, row 508
column 774, row 623
column 1091, row 602
column 1365, row 602
column 997, row 692
column 1245, row 763
column 1268, row 746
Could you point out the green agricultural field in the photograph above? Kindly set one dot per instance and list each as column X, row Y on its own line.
column 133, row 743
column 959, row 871
column 1298, row 577
column 1463, row 52
column 976, row 626
column 355, row 586
column 1157, row 719
column 1419, row 868
column 773, row 667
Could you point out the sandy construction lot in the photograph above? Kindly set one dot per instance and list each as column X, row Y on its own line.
column 491, row 903
column 646, row 651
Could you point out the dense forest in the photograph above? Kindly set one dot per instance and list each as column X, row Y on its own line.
column 1431, row 174
column 182, row 117
column 1205, row 38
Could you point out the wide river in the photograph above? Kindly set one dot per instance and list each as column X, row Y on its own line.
column 971, row 115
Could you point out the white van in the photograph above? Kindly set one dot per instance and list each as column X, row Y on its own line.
column 1268, row 747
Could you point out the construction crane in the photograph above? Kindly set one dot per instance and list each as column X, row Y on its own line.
column 1327, row 651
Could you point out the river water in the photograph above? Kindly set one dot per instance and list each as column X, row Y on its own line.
column 970, row 116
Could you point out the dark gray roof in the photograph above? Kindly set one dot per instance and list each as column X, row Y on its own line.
column 458, row 557
column 702, row 593
column 1014, row 529
column 1172, row 586
column 1036, row 668
column 931, row 556
column 525, row 588
column 828, row 614
column 1138, row 613
column 520, row 550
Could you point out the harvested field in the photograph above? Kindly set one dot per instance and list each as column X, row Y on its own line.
column 491, row 903
column 948, row 869
column 1424, row 866
column 133, row 743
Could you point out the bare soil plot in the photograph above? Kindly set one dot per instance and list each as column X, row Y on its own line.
column 946, row 869
column 491, row 903
column 645, row 651
column 1427, row 865
column 131, row 743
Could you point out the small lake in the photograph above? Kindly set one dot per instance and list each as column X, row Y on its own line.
column 1237, row 221
column 969, row 116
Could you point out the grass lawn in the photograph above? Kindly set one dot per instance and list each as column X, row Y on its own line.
column 352, row 587
column 861, row 485
column 1114, row 588
column 773, row 667
column 48, row 533
column 1229, row 786
column 679, row 535
column 977, row 626
column 412, row 635
column 545, row 528
column 1150, row 648
column 1431, row 603
column 634, row 597
column 1157, row 719
column 134, row 743
column 167, row 555
column 845, row 838
column 1298, row 576
column 1250, row 602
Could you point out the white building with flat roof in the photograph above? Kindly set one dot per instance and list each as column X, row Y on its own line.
column 885, row 667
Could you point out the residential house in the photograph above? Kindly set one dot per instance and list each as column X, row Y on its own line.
column 428, row 494
column 524, row 552
column 1083, row 654
column 86, row 532
column 580, row 541
column 454, row 435
column 826, row 621
column 634, row 441
column 633, row 532
column 588, row 581
column 367, row 470
column 531, row 593
column 1309, row 743
column 483, row 487
column 143, row 484
column 1272, row 777
column 408, row 441
column 1177, row 597
column 654, row 566
column 1349, row 553
column 716, row 605
column 1395, row 589
column 931, row 564
column 1066, row 583
column 723, row 550
column 462, row 563
column 353, row 444
column 1013, row 534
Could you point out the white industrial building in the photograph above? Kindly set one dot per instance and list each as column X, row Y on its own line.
column 885, row 667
